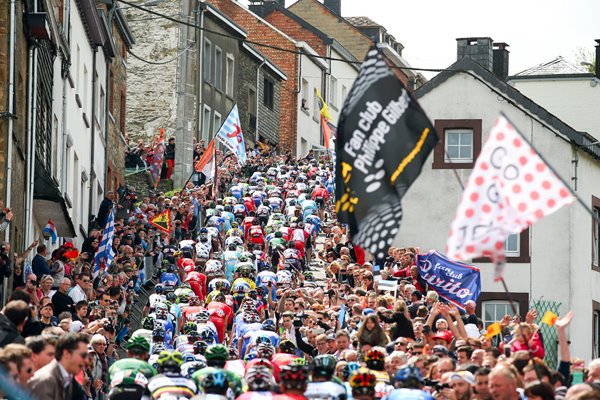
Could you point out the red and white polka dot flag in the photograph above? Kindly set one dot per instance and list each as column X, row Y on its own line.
column 509, row 189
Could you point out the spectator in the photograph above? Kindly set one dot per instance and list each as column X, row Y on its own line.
column 39, row 264
column 56, row 381
column 6, row 215
column 105, row 207
column 170, row 156
column 78, row 293
column 61, row 301
column 42, row 349
column 21, row 355
column 12, row 321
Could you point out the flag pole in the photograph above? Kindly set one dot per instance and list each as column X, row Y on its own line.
column 508, row 295
column 579, row 199
column 215, row 188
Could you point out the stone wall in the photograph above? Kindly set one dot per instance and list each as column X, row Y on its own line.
column 152, row 89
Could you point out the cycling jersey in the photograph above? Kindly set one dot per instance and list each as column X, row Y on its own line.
column 171, row 386
column 325, row 391
column 220, row 315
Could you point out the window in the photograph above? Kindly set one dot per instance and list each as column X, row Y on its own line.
column 111, row 92
column 229, row 75
column 101, row 107
column 459, row 146
column 268, row 93
column 55, row 167
column 344, row 94
column 333, row 93
column 85, row 88
column 206, row 123
column 595, row 234
column 494, row 310
column 82, row 205
column 516, row 247
column 217, row 123
column 316, row 106
column 460, row 143
column 207, row 61
column 218, row 68
column 76, row 174
column 252, row 110
column 122, row 112
column 77, row 77
column 595, row 329
column 511, row 244
column 304, row 105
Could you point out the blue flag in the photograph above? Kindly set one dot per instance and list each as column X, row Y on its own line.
column 453, row 281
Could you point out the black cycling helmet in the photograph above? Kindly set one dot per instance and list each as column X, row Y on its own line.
column 323, row 366
column 159, row 334
column 200, row 347
column 148, row 323
column 375, row 359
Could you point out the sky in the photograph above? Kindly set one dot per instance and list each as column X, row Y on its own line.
column 536, row 31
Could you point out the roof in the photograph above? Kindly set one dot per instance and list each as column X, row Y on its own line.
column 225, row 19
column 467, row 65
column 558, row 66
column 362, row 21
column 261, row 57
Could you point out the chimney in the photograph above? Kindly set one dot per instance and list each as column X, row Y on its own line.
column 501, row 60
column 334, row 5
column 597, row 58
column 264, row 7
column 479, row 49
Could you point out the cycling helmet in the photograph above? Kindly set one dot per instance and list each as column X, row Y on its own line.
column 159, row 289
column 250, row 318
column 216, row 355
column 148, row 323
column 188, row 357
column 207, row 335
column 219, row 297
column 287, row 347
column 189, row 368
column 409, row 377
column 159, row 334
column 363, row 382
column 170, row 361
column 171, row 268
column 375, row 359
column 269, row 325
column 249, row 305
column 215, row 382
column 194, row 301
column 193, row 337
column 200, row 347
column 183, row 297
column 293, row 376
column 265, row 350
column 138, row 343
column 259, row 379
column 251, row 355
column 323, row 366
column 233, row 353
column 202, row 317
column 349, row 369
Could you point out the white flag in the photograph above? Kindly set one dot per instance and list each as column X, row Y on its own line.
column 509, row 189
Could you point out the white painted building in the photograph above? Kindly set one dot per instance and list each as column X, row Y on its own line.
column 342, row 75
column 557, row 258
column 565, row 89
column 311, row 77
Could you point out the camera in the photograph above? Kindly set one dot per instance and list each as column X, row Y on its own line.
column 436, row 384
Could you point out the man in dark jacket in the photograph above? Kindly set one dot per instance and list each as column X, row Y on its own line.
column 12, row 321
column 105, row 208
column 61, row 301
column 170, row 157
column 39, row 264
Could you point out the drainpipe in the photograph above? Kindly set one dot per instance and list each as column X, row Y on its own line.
column 10, row 110
column 93, row 141
column 31, row 124
column 257, row 107
column 200, row 58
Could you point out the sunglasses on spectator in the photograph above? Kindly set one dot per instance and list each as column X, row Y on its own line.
column 32, row 281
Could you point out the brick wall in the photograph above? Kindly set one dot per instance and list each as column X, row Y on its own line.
column 116, row 141
column 268, row 119
column 323, row 19
column 261, row 32
column 19, row 134
column 297, row 31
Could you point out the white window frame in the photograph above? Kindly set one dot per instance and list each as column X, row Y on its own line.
column 459, row 160
column 516, row 251
column 596, row 238
column 316, row 108
column 229, row 74
column 217, row 121
column 206, row 120
column 504, row 304
column 305, row 97
column 207, row 61
column 333, row 93
column 344, row 94
column 218, row 68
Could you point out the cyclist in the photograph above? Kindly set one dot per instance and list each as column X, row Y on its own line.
column 170, row 383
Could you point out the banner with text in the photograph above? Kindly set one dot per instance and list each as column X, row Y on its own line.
column 383, row 140
column 454, row 281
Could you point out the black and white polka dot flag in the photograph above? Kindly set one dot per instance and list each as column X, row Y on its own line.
column 383, row 140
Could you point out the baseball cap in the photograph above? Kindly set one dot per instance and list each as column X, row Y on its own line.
column 463, row 375
column 439, row 349
column 444, row 335
column 331, row 336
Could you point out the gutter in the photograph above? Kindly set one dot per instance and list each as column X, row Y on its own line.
column 11, row 110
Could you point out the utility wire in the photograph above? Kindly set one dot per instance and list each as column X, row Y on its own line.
column 161, row 62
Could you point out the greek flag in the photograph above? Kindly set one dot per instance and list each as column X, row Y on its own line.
column 105, row 253
column 231, row 136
